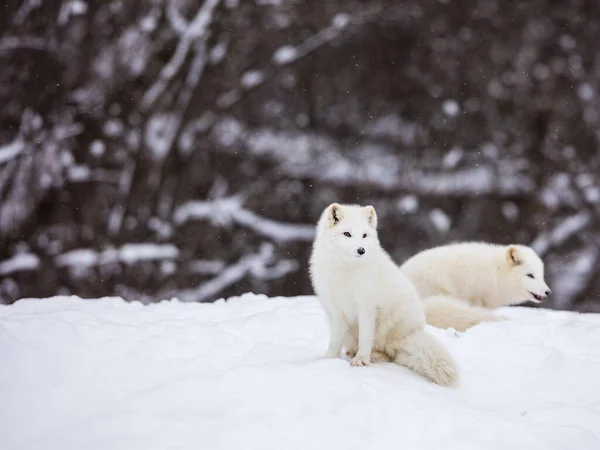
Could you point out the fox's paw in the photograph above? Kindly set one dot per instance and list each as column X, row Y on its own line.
column 360, row 360
column 378, row 357
column 351, row 352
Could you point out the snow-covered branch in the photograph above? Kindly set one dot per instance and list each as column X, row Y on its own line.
column 32, row 164
column 9, row 43
column 471, row 181
column 318, row 156
column 570, row 280
column 289, row 54
column 127, row 254
column 26, row 7
column 198, row 28
column 81, row 173
column 162, row 129
column 19, row 263
column 71, row 8
column 205, row 266
column 176, row 19
column 115, row 218
column 11, row 150
column 563, row 231
column 258, row 265
column 224, row 212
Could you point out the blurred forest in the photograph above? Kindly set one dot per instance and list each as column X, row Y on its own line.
column 161, row 148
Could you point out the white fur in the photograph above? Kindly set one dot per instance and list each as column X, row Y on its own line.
column 373, row 308
column 461, row 284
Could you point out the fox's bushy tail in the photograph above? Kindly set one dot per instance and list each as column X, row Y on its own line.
column 425, row 355
column 444, row 311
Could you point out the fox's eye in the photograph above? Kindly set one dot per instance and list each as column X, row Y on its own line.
column 364, row 235
column 347, row 234
column 530, row 275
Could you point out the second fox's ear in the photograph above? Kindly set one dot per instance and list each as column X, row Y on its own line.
column 334, row 214
column 371, row 215
column 512, row 256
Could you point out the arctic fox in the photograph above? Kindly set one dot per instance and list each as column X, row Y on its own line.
column 460, row 284
column 373, row 309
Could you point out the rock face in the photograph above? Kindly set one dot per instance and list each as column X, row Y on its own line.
column 175, row 147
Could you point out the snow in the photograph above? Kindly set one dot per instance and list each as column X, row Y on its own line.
column 19, row 263
column 558, row 191
column 567, row 42
column 541, row 71
column 197, row 30
column 566, row 228
column 318, row 156
column 260, row 265
column 268, row 2
column 206, row 266
column 340, row 21
column 11, row 150
column 458, row 182
column 252, row 78
column 574, row 274
column 450, row 108
column 217, row 53
column 97, row 148
column 440, row 220
column 285, row 55
column 113, row 128
column 78, row 7
column 228, row 130
column 496, row 89
column 225, row 211
column 408, row 204
column 159, row 134
column 393, row 126
column 193, row 129
column 128, row 254
column 148, row 23
column 453, row 157
column 510, row 210
column 71, row 8
column 247, row 373
column 79, row 172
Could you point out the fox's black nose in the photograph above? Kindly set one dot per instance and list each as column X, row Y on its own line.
column 548, row 292
column 361, row 251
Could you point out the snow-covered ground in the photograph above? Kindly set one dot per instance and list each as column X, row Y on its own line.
column 247, row 374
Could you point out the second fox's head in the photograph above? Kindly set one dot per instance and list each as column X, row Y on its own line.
column 350, row 230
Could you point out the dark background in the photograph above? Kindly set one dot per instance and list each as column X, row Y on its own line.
column 151, row 149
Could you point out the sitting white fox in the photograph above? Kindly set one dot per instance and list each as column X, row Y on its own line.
column 373, row 308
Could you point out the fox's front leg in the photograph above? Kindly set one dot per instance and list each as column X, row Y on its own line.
column 338, row 330
column 366, row 332
column 351, row 342
column 351, row 345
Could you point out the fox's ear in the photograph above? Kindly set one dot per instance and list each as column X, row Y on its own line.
column 334, row 214
column 512, row 256
column 371, row 215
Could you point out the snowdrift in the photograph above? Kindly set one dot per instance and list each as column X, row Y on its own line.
column 247, row 374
